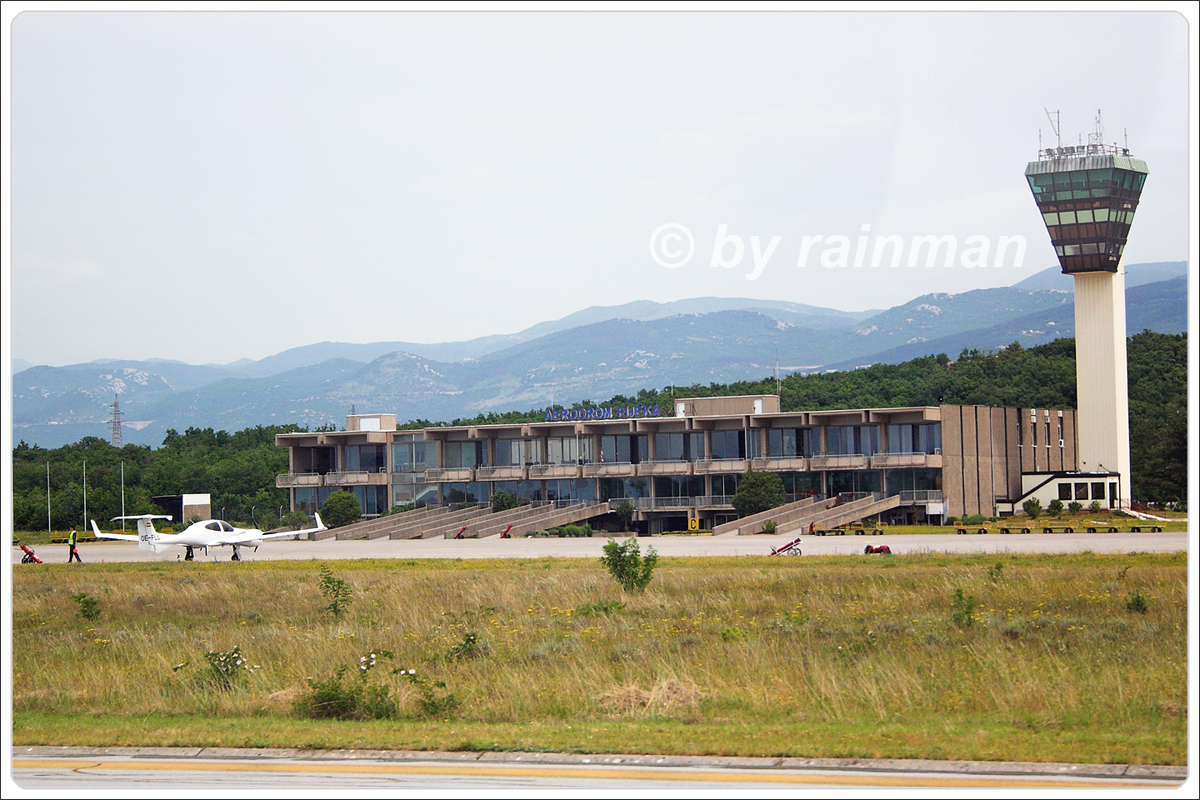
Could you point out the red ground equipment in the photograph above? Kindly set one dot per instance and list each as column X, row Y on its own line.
column 459, row 535
column 30, row 557
column 506, row 534
column 792, row 548
column 883, row 548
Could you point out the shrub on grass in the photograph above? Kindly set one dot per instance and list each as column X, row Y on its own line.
column 1055, row 509
column 603, row 608
column 1074, row 507
column 770, row 526
column 962, row 609
column 627, row 565
column 1094, row 507
column 1136, row 602
column 89, row 607
column 339, row 697
column 974, row 519
column 1032, row 507
column 227, row 668
column 471, row 646
column 336, row 591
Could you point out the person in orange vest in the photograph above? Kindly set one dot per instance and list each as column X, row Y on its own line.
column 74, row 551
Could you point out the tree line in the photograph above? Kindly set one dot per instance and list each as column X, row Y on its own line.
column 238, row 469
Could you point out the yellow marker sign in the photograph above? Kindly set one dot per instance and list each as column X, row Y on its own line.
column 693, row 524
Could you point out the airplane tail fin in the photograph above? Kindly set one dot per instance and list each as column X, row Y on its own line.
column 320, row 525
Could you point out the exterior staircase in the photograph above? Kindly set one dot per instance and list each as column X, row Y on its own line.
column 542, row 518
column 847, row 512
column 781, row 514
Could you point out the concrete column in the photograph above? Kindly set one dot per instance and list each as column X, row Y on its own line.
column 1102, row 375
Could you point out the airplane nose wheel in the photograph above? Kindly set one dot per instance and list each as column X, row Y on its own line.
column 189, row 555
column 237, row 554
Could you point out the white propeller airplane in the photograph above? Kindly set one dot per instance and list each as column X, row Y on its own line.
column 206, row 533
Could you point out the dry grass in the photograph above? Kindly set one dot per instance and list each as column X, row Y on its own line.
column 839, row 642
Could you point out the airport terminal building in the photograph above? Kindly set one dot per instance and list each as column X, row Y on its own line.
column 681, row 463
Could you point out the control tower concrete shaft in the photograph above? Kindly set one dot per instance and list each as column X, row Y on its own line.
column 1087, row 196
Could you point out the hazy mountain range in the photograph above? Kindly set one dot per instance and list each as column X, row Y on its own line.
column 591, row 354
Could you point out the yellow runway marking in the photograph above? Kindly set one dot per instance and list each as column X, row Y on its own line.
column 587, row 771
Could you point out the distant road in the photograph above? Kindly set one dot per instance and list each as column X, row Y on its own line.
column 495, row 547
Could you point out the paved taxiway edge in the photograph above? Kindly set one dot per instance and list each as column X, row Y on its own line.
column 1138, row 771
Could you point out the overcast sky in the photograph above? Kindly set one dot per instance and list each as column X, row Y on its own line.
column 214, row 186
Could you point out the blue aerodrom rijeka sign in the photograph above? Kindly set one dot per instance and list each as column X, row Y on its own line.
column 603, row 412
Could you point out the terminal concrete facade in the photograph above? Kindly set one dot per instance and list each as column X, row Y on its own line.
column 683, row 463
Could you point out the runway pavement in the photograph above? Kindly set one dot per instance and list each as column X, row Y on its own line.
column 728, row 545
column 192, row 769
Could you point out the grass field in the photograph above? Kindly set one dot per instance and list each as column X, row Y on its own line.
column 1026, row 658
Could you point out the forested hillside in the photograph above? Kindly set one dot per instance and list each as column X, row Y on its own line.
column 239, row 469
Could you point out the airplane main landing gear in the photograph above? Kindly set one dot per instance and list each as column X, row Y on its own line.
column 189, row 555
column 237, row 553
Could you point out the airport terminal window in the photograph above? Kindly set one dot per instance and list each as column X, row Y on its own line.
column 724, row 485
column 1098, row 490
column 624, row 449
column 402, row 457
column 516, row 452
column 1064, row 492
column 728, row 444
column 783, row 443
column 929, row 438
column 366, row 458
column 696, row 447
column 570, row 490
column 679, row 486
column 669, row 447
column 569, row 450
column 1081, row 491
column 801, row 484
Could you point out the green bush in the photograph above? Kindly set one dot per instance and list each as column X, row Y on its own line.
column 1094, row 507
column 340, row 509
column 1055, row 508
column 626, row 564
column 624, row 510
column 758, row 492
column 89, row 607
column 471, row 646
column 227, row 668
column 505, row 501
column 433, row 704
column 1074, row 507
column 572, row 531
column 603, row 608
column 341, row 698
column 1032, row 507
column 770, row 526
column 962, row 609
column 1136, row 602
column 336, row 591
column 974, row 519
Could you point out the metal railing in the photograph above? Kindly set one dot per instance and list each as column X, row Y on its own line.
column 918, row 496
column 656, row 503
column 298, row 479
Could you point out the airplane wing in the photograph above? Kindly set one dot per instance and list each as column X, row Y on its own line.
column 101, row 535
column 253, row 537
column 320, row 527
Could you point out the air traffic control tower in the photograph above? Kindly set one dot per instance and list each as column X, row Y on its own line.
column 1087, row 196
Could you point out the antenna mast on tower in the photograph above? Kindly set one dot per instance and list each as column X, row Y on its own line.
column 116, row 421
